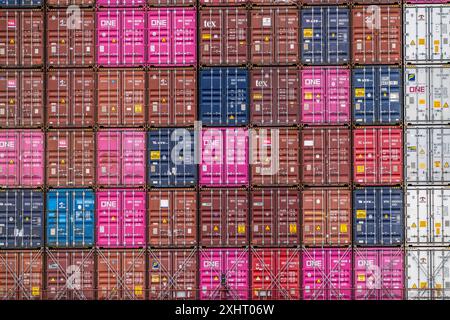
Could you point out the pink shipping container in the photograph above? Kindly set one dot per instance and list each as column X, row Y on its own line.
column 426, row 1
column 224, row 158
column 121, row 218
column 121, row 158
column 121, row 3
column 172, row 37
column 120, row 37
column 327, row 274
column 378, row 274
column 224, row 274
column 325, row 95
column 21, row 158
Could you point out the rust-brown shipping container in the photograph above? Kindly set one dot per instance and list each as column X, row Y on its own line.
column 274, row 2
column 121, row 98
column 170, row 3
column 326, row 217
column 121, row 274
column 70, row 275
column 223, row 217
column 21, row 275
column 275, row 216
column 66, row 3
column 70, row 98
column 377, row 34
column 172, row 97
column 21, row 98
column 172, row 217
column 321, row 2
column 70, row 158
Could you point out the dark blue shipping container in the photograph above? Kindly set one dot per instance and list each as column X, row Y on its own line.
column 20, row 3
column 171, row 158
column 377, row 93
column 325, row 35
column 70, row 218
column 224, row 97
column 378, row 216
column 21, row 216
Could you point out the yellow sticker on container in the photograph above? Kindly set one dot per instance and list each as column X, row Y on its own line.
column 437, row 164
column 138, row 290
column 361, row 277
column 257, row 96
column 422, row 166
column 422, row 224
column 438, row 285
column 206, row 36
column 436, row 42
column 308, row 33
column 423, row 285
column 361, row 214
column 438, row 231
column 308, row 95
column 436, row 49
column 422, row 101
column 360, row 169
column 35, row 291
column 138, row 108
column 437, row 225
column 421, row 41
column 155, row 155
column 343, row 227
column 155, row 278
column 241, row 228
column 360, row 92
column 293, row 228
column 437, row 104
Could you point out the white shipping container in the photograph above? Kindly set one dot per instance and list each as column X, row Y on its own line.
column 427, row 93
column 427, row 33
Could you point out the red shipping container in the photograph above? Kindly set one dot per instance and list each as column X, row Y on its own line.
column 66, row 3
column 170, row 3
column 222, row 2
column 274, row 2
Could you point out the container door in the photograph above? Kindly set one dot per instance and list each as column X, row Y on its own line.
column 59, row 218
column 82, row 218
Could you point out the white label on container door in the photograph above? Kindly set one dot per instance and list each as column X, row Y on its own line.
column 308, row 143
column 164, row 203
column 266, row 22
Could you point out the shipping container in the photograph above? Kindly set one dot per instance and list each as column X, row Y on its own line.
column 70, row 218
column 223, row 217
column 426, row 1
column 326, row 156
column 427, row 273
column 121, row 218
column 21, row 158
column 274, row 156
column 224, row 157
column 325, row 95
column 274, row 35
column 224, row 274
column 427, row 221
column 120, row 98
column 171, row 158
column 21, row 275
column 69, row 3
column 275, row 274
column 173, row 274
column 70, row 158
column 21, row 219
column 70, row 275
column 327, row 274
column 21, row 98
column 426, row 33
column 172, row 37
column 172, row 97
column 120, row 274
column 120, row 157
column 172, row 218
column 171, row 3
column 427, row 96
column 377, row 93
column 275, row 217
column 325, row 35
column 121, row 37
column 378, row 156
column 223, row 2
column 377, row 34
column 223, row 36
column 121, row 3
column 21, row 38
column 20, row 3
column 378, row 274
column 274, row 96
column 378, row 217
column 326, row 217
column 322, row 2
column 224, row 97
column 427, row 155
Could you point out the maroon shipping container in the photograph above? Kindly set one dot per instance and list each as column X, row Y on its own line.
column 172, row 217
column 223, row 2
column 321, row 2
column 21, row 98
column 326, row 156
column 275, row 216
column 223, row 217
column 377, row 34
column 70, row 275
column 66, row 3
column 70, row 158
column 170, row 3
column 172, row 97
column 274, row 35
column 173, row 274
column 70, row 98
column 326, row 217
column 274, row 96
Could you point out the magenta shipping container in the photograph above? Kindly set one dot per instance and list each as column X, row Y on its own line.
column 172, row 37
column 21, row 158
column 224, row 274
column 121, row 218
column 120, row 3
column 120, row 158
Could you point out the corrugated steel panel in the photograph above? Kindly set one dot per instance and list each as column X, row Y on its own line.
column 120, row 3
column 20, row 3
column 321, row 2
column 67, row 3
column 170, row 3
column 222, row 2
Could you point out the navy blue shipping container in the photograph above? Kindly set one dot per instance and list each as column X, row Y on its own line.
column 20, row 3
column 70, row 218
column 377, row 93
column 325, row 35
column 224, row 97
column 378, row 216
column 171, row 158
